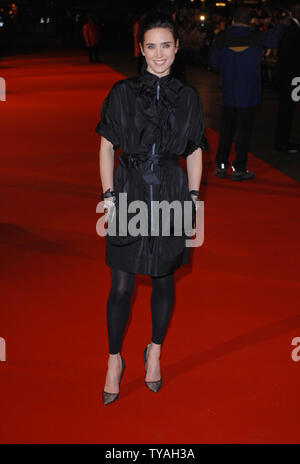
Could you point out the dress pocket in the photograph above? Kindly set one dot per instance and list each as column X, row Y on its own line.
column 113, row 235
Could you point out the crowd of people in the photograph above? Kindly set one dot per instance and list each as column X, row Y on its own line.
column 197, row 32
column 197, row 35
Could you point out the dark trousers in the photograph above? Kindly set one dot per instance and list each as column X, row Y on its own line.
column 93, row 54
column 285, row 115
column 239, row 122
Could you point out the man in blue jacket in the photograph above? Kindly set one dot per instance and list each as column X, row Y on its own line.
column 237, row 53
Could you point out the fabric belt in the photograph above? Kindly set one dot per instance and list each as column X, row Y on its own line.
column 130, row 160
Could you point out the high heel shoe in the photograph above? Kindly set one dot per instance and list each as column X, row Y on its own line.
column 153, row 386
column 110, row 397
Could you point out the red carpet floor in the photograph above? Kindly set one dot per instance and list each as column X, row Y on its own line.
column 228, row 374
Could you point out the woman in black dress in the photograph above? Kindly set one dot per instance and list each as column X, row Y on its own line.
column 155, row 118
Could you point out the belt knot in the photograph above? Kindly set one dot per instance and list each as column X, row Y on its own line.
column 133, row 160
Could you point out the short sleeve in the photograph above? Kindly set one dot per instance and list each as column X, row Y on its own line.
column 108, row 125
column 196, row 136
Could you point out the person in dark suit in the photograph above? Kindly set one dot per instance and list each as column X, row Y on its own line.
column 288, row 68
column 236, row 53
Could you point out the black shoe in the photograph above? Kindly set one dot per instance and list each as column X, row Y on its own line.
column 110, row 397
column 153, row 386
column 221, row 172
column 242, row 175
column 289, row 148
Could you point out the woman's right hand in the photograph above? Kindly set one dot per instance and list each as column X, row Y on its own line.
column 109, row 208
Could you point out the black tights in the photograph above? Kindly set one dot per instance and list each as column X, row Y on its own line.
column 118, row 306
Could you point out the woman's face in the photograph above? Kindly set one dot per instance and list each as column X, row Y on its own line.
column 159, row 50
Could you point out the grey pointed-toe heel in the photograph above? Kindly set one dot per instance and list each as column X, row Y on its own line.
column 110, row 397
column 153, row 386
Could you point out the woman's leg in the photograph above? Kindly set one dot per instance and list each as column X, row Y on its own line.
column 118, row 308
column 162, row 299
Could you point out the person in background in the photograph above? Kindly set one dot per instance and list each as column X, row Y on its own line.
column 236, row 53
column 67, row 28
column 91, row 35
column 220, row 27
column 283, row 22
column 288, row 68
column 254, row 22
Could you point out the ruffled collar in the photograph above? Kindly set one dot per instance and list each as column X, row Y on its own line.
column 169, row 85
column 151, row 79
column 160, row 113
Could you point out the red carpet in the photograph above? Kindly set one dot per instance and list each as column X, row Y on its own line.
column 228, row 374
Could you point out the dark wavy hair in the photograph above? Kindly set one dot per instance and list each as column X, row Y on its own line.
column 242, row 15
column 156, row 18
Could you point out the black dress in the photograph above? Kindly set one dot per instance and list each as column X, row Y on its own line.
column 154, row 121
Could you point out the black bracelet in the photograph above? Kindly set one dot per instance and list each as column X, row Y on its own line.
column 108, row 193
column 194, row 192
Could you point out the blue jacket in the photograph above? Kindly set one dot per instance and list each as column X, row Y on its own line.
column 236, row 53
